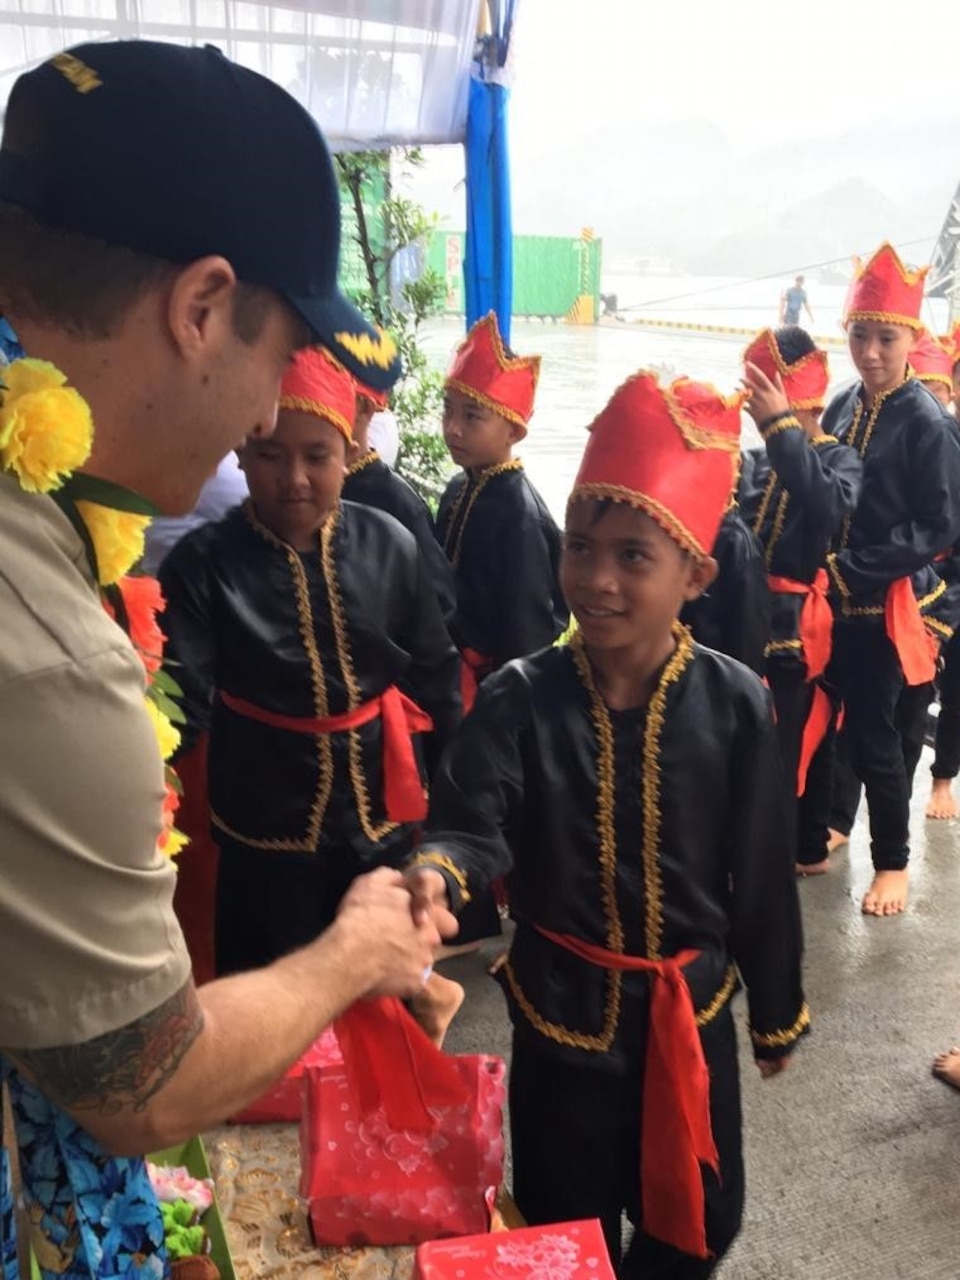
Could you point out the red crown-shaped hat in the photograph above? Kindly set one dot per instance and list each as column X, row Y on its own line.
column 316, row 383
column 951, row 341
column 379, row 399
column 672, row 452
column 930, row 360
column 805, row 380
column 483, row 369
column 884, row 289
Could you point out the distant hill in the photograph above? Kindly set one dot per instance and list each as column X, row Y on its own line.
column 851, row 216
column 685, row 192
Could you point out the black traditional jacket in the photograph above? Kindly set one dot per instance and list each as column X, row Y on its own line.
column 505, row 550
column 645, row 832
column 373, row 484
column 795, row 494
column 733, row 614
column 909, row 507
column 308, row 636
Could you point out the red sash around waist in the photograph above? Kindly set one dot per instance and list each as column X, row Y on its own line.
column 404, row 797
column 473, row 666
column 816, row 618
column 915, row 647
column 677, row 1135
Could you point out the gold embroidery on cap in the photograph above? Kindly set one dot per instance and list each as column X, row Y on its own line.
column 381, row 351
column 82, row 77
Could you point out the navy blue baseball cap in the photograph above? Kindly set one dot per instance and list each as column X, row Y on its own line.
column 178, row 152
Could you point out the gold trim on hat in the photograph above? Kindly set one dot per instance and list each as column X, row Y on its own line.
column 884, row 317
column 317, row 409
column 784, row 369
column 508, row 363
column 657, row 512
column 488, row 402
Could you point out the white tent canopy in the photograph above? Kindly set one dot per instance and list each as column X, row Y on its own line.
column 373, row 73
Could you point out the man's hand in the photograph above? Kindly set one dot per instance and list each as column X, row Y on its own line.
column 767, row 399
column 770, row 1067
column 430, row 900
column 394, row 945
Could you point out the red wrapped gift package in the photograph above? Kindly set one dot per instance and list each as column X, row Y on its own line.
column 284, row 1101
column 564, row 1251
column 401, row 1143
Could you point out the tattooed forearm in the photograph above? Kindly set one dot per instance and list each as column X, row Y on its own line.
column 123, row 1069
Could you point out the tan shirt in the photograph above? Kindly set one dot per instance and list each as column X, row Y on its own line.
column 88, row 937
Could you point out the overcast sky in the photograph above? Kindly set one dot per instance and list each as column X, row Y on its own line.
column 765, row 70
column 866, row 89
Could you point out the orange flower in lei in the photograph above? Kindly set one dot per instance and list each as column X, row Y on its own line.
column 46, row 433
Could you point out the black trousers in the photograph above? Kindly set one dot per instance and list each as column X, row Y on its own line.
column 866, row 671
column 792, row 698
column 846, row 788
column 269, row 904
column 910, row 718
column 576, row 1153
column 946, row 762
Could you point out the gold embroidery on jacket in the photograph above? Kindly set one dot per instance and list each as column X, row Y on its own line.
column 433, row 858
column 721, row 999
column 471, row 491
column 365, row 460
column 607, row 856
column 318, row 683
column 374, row 832
column 781, row 1039
column 656, row 712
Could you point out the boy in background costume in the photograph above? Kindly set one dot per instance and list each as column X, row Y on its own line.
column 371, row 482
column 733, row 614
column 637, row 911
column 493, row 525
column 946, row 763
column 312, row 645
column 496, row 531
column 880, row 565
column 932, row 365
column 795, row 492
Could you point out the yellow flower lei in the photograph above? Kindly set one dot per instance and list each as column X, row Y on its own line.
column 46, row 433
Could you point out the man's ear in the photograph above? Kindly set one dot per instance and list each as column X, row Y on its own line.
column 518, row 432
column 352, row 454
column 200, row 306
column 702, row 574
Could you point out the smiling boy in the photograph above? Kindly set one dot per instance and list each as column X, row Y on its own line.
column 636, row 909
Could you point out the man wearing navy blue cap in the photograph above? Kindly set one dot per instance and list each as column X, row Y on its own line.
column 169, row 234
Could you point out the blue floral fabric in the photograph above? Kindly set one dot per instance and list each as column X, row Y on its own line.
column 10, row 348
column 92, row 1216
column 8, row 1237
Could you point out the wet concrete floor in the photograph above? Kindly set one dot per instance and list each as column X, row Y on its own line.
column 853, row 1155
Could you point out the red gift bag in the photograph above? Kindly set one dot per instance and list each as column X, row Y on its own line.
column 402, row 1143
column 562, row 1251
column 284, row 1101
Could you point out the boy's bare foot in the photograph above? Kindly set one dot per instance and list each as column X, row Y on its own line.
column 836, row 840
column 436, row 1006
column 942, row 803
column 813, row 868
column 946, row 1066
column 887, row 896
